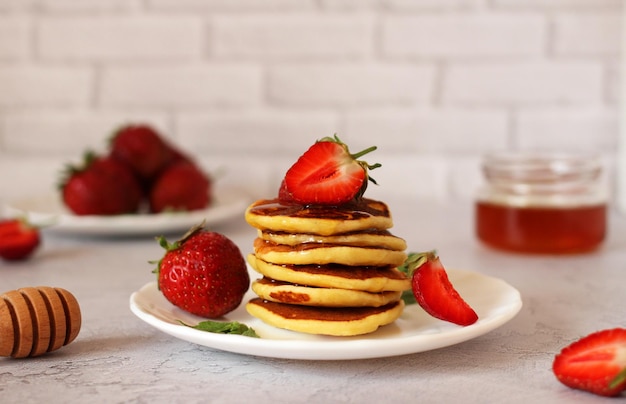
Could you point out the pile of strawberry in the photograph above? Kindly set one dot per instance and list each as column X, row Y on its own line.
column 139, row 171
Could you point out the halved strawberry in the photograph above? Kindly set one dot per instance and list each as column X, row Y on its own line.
column 283, row 194
column 595, row 363
column 327, row 174
column 435, row 293
column 18, row 239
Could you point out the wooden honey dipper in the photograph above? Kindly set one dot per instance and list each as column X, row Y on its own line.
column 37, row 320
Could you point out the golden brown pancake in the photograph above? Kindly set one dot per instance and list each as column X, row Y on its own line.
column 329, row 270
column 338, row 321
column 322, row 254
column 369, row 279
column 324, row 220
column 366, row 238
column 284, row 292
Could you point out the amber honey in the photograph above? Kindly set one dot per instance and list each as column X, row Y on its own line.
column 542, row 203
column 541, row 229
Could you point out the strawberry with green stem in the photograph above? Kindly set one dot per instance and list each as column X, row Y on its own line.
column 433, row 290
column 203, row 273
column 327, row 174
column 101, row 185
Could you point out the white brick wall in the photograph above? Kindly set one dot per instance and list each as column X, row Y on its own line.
column 14, row 38
column 262, row 37
column 28, row 85
column 247, row 85
column 117, row 39
column 524, row 83
column 464, row 36
column 349, row 84
column 178, row 86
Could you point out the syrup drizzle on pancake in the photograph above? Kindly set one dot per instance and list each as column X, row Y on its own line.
column 323, row 220
column 351, row 211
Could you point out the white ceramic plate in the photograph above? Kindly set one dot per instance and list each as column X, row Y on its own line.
column 48, row 210
column 495, row 302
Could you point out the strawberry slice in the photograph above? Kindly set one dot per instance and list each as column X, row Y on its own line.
column 283, row 194
column 327, row 174
column 18, row 239
column 595, row 363
column 435, row 293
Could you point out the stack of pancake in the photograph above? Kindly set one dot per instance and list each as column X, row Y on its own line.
column 326, row 270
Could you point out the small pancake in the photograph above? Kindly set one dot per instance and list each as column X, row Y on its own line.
column 324, row 220
column 284, row 292
column 337, row 321
column 322, row 254
column 368, row 279
column 367, row 238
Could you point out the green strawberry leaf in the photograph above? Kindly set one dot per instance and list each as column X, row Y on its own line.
column 219, row 327
column 413, row 261
column 619, row 379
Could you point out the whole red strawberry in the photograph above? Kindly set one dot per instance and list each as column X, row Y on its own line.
column 595, row 363
column 327, row 174
column 435, row 293
column 204, row 273
column 142, row 148
column 182, row 186
column 18, row 239
column 177, row 155
column 101, row 186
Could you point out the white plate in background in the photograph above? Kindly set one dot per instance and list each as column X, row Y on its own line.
column 48, row 210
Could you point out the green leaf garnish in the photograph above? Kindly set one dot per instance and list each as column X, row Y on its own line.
column 219, row 327
column 408, row 297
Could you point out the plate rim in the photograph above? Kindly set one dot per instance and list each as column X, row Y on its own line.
column 351, row 348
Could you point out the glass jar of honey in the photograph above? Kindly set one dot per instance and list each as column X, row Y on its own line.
column 542, row 203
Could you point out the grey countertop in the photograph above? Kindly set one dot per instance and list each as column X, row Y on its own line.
column 118, row 358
